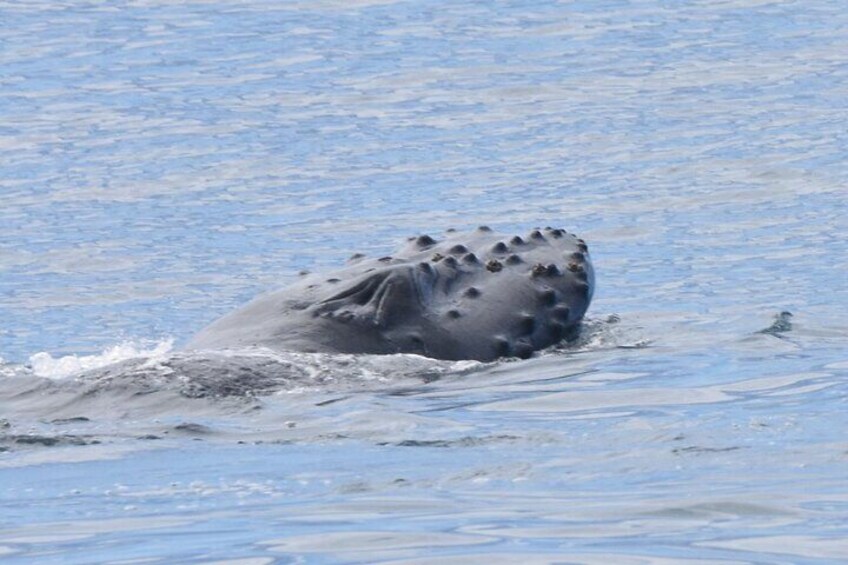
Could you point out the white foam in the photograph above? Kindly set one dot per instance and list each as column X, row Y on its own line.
column 45, row 365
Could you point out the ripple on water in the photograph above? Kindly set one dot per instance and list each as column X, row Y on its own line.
column 163, row 162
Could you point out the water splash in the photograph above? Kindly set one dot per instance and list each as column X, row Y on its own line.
column 43, row 364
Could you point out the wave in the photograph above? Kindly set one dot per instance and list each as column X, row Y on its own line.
column 149, row 390
column 45, row 365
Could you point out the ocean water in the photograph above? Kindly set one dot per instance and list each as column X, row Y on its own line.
column 163, row 162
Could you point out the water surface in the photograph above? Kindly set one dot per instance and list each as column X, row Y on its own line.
column 164, row 162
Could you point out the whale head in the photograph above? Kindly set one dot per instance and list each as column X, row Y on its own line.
column 478, row 295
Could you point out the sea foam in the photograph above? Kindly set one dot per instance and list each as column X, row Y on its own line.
column 43, row 364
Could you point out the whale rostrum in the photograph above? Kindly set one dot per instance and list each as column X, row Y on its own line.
column 479, row 295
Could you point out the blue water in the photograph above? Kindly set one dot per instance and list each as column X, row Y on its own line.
column 163, row 162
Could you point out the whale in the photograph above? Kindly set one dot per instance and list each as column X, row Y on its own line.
column 478, row 295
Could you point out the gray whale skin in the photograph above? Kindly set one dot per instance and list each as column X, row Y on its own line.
column 477, row 295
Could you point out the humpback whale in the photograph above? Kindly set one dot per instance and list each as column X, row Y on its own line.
column 479, row 295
